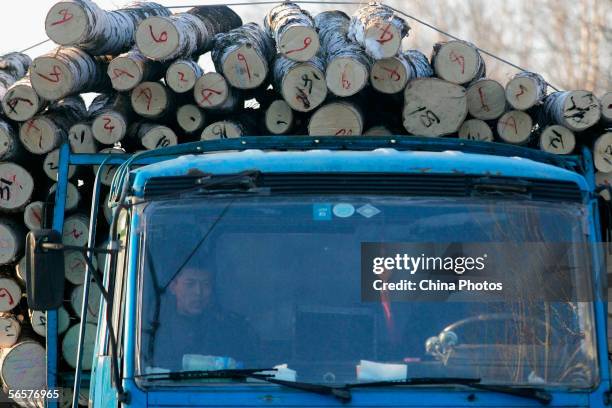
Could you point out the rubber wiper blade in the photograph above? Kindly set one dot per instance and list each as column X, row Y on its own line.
column 238, row 373
column 343, row 393
column 537, row 394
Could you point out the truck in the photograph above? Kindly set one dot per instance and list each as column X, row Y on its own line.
column 234, row 276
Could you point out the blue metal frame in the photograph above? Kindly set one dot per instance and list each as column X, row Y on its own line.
column 249, row 395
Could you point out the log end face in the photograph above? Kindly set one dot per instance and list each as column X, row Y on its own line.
column 486, row 99
column 8, row 253
column 457, row 62
column 39, row 135
column 602, row 153
column 346, row 76
column 522, row 92
column 21, row 103
column 149, row 99
column 221, row 130
column 581, row 110
column 299, row 43
column 304, row 87
column 557, row 139
column 23, row 366
column 51, row 165
column 190, row 118
column 124, row 73
column 51, row 78
column 388, row 76
column 157, row 38
column 210, row 90
column 67, row 23
column 244, row 68
column 606, row 108
column 181, row 77
column 475, row 129
column 20, row 191
column 382, row 40
column 7, row 141
column 336, row 119
column 279, row 117
column 81, row 139
column 32, row 215
column 378, row 131
column 109, row 128
column 158, row 137
column 515, row 127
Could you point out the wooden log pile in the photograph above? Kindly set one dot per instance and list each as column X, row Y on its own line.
column 322, row 75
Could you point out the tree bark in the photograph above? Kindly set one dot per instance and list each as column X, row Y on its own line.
column 186, row 34
column 433, row 107
column 68, row 71
column 390, row 75
column 347, row 66
column 378, row 30
column 576, row 110
column 293, row 31
column 45, row 132
column 336, row 119
column 458, row 62
column 526, row 90
column 182, row 75
column 244, row 55
column 81, row 23
column 302, row 84
column 486, row 99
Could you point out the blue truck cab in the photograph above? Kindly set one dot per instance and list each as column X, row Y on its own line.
column 233, row 276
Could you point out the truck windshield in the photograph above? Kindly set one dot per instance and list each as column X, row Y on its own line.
column 274, row 281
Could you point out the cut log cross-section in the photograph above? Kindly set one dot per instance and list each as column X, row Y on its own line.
column 302, row 84
column 576, row 110
column 379, row 30
column 22, row 367
column 81, row 138
column 212, row 91
column 227, row 129
column 10, row 291
column 12, row 238
column 515, row 127
column 152, row 136
column 526, row 90
column 10, row 328
column 293, row 31
column 112, row 116
column 243, row 56
column 33, row 215
column 182, row 75
column 557, row 139
column 68, row 71
column 13, row 67
column 75, row 265
column 390, row 75
column 458, row 62
column 76, row 230
column 130, row 69
column 347, row 66
column 73, row 196
column 51, row 165
column 21, row 102
column 184, row 34
column 190, row 118
column 10, row 147
column 606, row 109
column 602, row 153
column 486, row 99
column 39, row 321
column 433, row 107
column 279, row 117
column 476, row 129
column 151, row 100
column 336, row 119
column 16, row 187
column 82, row 23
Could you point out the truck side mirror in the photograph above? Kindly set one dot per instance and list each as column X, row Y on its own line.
column 44, row 269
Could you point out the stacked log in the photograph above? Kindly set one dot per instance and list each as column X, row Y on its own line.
column 378, row 30
column 111, row 117
column 184, row 34
column 13, row 66
column 21, row 102
column 128, row 70
column 293, row 30
column 211, row 91
column 302, row 84
column 526, row 90
column 458, row 62
column 486, row 99
column 390, row 75
column 182, row 75
column 576, row 110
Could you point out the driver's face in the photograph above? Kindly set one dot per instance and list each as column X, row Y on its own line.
column 193, row 291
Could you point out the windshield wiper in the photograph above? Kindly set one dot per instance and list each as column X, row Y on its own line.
column 342, row 393
column 537, row 394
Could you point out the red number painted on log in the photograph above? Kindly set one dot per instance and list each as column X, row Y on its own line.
column 146, row 92
column 37, row 216
column 522, row 91
column 118, row 72
column 344, row 132
column 385, row 35
column 307, row 42
column 181, row 76
column 56, row 74
column 107, row 124
column 75, row 234
column 163, row 36
column 346, row 84
column 243, row 59
column 483, row 104
column 510, row 122
column 66, row 16
column 5, row 293
column 13, row 102
column 77, row 264
column 207, row 93
column 31, row 124
column 459, row 59
column 393, row 74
